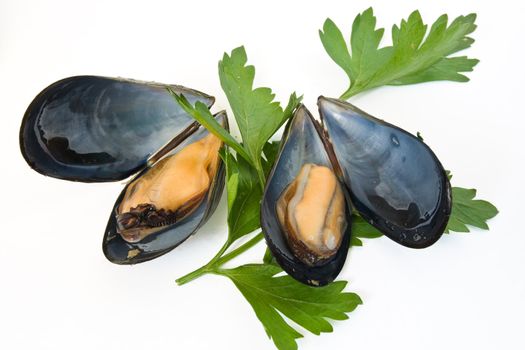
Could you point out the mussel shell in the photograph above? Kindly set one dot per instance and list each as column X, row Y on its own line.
column 91, row 129
column 395, row 181
column 301, row 144
column 118, row 251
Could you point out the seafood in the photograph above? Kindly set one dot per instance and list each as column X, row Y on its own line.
column 305, row 214
column 164, row 205
column 170, row 191
column 311, row 212
column 94, row 129
column 352, row 160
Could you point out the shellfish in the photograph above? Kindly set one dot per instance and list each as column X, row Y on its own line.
column 351, row 160
column 94, row 129
column 395, row 181
column 310, row 246
column 164, row 217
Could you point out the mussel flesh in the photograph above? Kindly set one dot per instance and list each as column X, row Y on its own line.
column 305, row 214
column 311, row 211
column 170, row 191
column 169, row 200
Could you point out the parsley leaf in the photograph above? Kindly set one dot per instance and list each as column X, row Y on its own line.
column 244, row 196
column 469, row 211
column 362, row 229
column 412, row 58
column 270, row 150
column 268, row 258
column 257, row 114
column 309, row 307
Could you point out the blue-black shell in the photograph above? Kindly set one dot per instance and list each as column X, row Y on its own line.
column 95, row 129
column 395, row 181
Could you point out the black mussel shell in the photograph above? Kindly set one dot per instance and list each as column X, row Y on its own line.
column 301, row 144
column 90, row 129
column 118, row 251
column 395, row 181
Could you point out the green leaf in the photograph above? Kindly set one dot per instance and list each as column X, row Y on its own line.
column 268, row 258
column 244, row 197
column 335, row 45
column 270, row 151
column 469, row 211
column 414, row 56
column 309, row 307
column 293, row 103
column 202, row 114
column 362, row 229
column 257, row 114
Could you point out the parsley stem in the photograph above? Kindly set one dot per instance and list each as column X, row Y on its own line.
column 260, row 174
column 236, row 252
column 217, row 261
column 193, row 275
column 350, row 92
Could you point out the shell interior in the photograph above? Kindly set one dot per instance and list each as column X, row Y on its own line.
column 159, row 240
column 170, row 190
column 311, row 211
column 301, row 145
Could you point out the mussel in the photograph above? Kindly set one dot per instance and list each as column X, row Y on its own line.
column 305, row 211
column 395, row 181
column 165, row 203
column 352, row 161
column 95, row 129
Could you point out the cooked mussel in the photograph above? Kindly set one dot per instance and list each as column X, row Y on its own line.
column 168, row 201
column 395, row 181
column 169, row 191
column 390, row 177
column 92, row 129
column 311, row 211
column 305, row 215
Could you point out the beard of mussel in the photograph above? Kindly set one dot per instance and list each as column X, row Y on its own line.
column 168, row 192
column 312, row 214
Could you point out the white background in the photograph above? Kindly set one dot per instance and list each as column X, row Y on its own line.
column 57, row 290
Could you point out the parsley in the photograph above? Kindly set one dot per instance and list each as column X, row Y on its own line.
column 469, row 211
column 272, row 296
column 244, row 195
column 362, row 229
column 412, row 58
column 257, row 114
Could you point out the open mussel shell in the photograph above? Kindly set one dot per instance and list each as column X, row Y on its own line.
column 90, row 128
column 301, row 144
column 120, row 251
column 395, row 181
